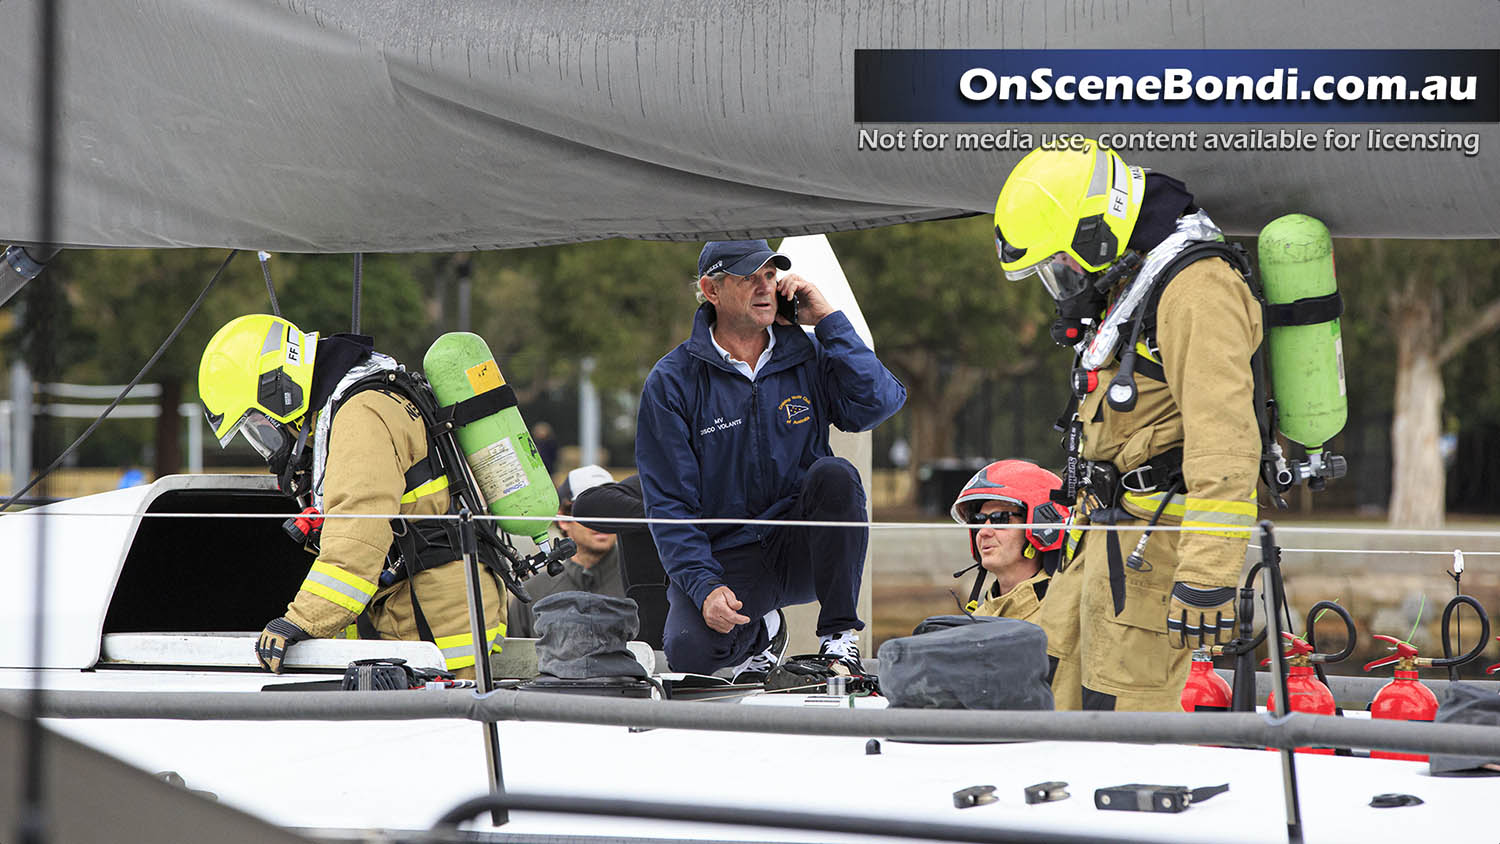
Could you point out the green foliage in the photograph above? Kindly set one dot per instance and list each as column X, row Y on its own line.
column 316, row 293
column 625, row 303
column 937, row 288
column 129, row 300
column 943, row 316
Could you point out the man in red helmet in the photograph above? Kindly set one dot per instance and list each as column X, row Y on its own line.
column 1011, row 492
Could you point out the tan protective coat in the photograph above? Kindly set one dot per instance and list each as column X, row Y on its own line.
column 375, row 438
column 1021, row 602
column 1208, row 327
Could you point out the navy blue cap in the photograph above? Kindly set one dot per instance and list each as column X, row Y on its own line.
column 739, row 257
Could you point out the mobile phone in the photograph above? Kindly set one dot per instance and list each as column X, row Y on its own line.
column 787, row 307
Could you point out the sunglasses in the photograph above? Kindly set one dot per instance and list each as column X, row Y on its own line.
column 999, row 517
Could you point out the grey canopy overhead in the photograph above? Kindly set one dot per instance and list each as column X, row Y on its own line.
column 385, row 125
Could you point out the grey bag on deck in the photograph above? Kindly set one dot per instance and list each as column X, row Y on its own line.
column 582, row 636
column 992, row 663
column 1466, row 703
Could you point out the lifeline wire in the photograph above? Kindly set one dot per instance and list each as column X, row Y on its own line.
column 128, row 387
column 629, row 520
column 943, row 526
column 1392, row 532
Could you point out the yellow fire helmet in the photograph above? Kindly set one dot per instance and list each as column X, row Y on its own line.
column 1079, row 199
column 255, row 363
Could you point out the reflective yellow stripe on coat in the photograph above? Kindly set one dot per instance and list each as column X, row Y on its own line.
column 1071, row 544
column 437, row 484
column 338, row 586
column 1220, row 517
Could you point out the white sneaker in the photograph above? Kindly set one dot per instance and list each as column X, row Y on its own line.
column 759, row 666
column 845, row 648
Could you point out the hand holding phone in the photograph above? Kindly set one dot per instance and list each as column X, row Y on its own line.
column 799, row 301
column 786, row 307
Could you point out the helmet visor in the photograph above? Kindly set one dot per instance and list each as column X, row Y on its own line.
column 263, row 434
column 1062, row 277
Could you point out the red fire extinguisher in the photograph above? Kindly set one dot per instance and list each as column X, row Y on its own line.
column 1405, row 698
column 1305, row 686
column 1304, row 691
column 1205, row 690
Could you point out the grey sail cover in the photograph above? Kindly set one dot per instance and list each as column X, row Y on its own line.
column 386, row 125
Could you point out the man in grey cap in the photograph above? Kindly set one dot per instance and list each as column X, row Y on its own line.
column 594, row 568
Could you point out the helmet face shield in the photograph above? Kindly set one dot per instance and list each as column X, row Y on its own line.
column 264, row 435
column 1060, row 274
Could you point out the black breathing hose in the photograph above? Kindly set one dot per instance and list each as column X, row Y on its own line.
column 1450, row 661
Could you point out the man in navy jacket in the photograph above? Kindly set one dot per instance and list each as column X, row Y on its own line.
column 734, row 425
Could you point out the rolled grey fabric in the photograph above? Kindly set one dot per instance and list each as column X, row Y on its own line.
column 582, row 635
column 994, row 663
column 933, row 623
column 1466, row 703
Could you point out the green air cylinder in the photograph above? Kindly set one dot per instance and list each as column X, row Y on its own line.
column 500, row 451
column 1306, row 357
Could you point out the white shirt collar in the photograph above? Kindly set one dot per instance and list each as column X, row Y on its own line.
column 741, row 366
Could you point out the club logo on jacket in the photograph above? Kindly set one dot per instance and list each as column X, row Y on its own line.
column 795, row 409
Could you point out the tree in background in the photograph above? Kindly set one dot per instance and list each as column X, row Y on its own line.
column 945, row 319
column 624, row 303
column 1434, row 298
column 125, row 302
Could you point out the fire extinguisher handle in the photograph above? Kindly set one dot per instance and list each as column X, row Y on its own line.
column 1402, row 648
column 1296, row 645
column 1403, row 651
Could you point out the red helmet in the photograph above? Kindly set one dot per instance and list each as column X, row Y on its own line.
column 1018, row 482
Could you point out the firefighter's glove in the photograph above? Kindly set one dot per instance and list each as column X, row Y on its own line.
column 1200, row 616
column 274, row 641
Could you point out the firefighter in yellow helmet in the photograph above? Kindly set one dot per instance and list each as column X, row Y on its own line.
column 1162, row 429
column 305, row 404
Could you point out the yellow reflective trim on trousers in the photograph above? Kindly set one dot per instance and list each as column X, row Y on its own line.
column 350, row 632
column 435, row 485
column 343, row 576
column 458, row 649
